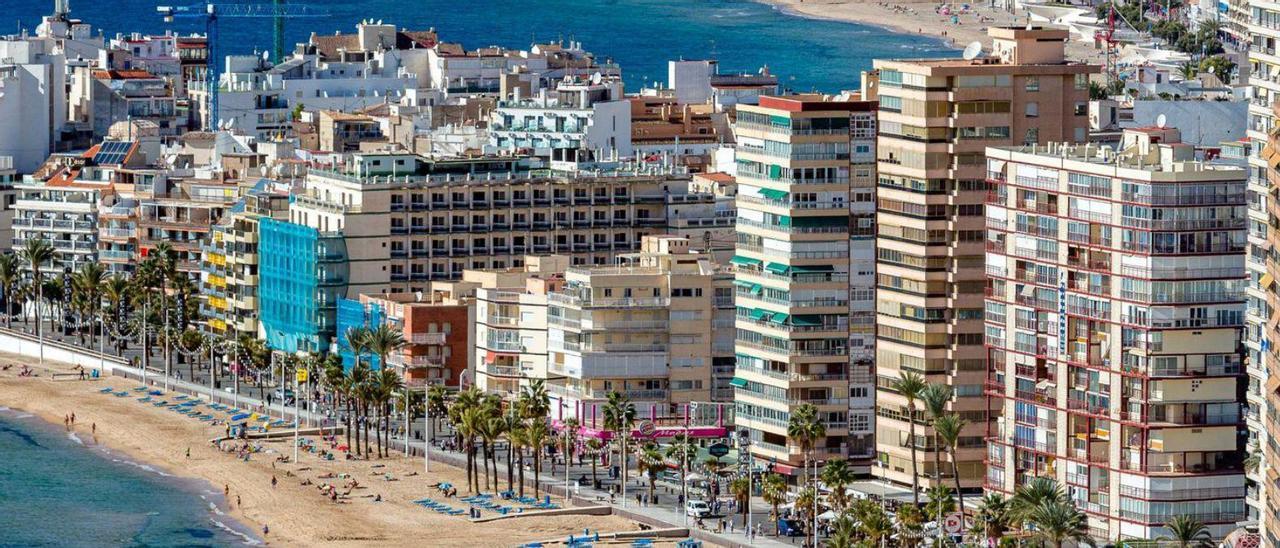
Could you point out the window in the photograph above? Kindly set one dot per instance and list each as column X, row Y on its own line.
column 1033, row 83
column 1081, row 109
column 1033, row 109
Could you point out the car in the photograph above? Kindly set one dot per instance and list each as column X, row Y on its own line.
column 790, row 528
column 697, row 509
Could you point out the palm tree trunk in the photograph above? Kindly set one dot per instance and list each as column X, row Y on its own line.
column 537, row 470
column 955, row 472
column 348, row 428
column 915, row 474
column 469, row 467
column 365, row 415
column 520, row 465
column 510, row 472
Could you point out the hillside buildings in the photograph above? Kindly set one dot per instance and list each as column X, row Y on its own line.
column 1113, row 318
column 936, row 117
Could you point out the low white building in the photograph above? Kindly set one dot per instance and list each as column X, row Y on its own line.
column 589, row 116
column 33, row 99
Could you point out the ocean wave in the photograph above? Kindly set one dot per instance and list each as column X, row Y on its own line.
column 73, row 437
column 248, row 540
column 16, row 414
column 146, row 467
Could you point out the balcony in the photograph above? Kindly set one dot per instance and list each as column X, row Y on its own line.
column 426, row 338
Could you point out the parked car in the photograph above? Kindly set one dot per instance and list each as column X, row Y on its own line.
column 697, row 509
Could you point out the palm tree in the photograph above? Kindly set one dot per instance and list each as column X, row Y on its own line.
column 837, row 475
column 940, row 502
column 807, row 506
column 534, row 401
column 935, row 398
column 1032, row 495
column 947, row 427
column 619, row 417
column 594, row 445
column 389, row 384
column 382, row 340
column 846, row 533
column 357, row 398
column 774, row 491
column 909, row 386
column 1056, row 522
column 437, row 396
column 910, row 525
column 116, row 290
column 682, row 452
column 993, row 515
column 1253, row 458
column 494, row 429
column 875, row 524
column 471, row 421
column 1186, row 531
column 10, row 277
column 519, row 439
column 805, row 429
column 88, row 283
column 38, row 252
column 740, row 488
column 651, row 463
column 537, row 434
column 511, row 429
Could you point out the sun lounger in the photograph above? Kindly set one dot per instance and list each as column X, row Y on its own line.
column 106, row 391
column 121, row 394
column 140, row 389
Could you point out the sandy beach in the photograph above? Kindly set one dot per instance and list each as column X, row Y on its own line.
column 297, row 514
column 921, row 18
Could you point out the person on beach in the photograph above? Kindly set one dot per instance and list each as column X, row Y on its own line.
column 226, row 490
column 94, row 428
column 188, row 452
column 265, row 530
column 73, row 418
column 238, row 501
column 273, row 482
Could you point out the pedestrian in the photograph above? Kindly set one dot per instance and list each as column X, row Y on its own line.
column 73, row 418
column 238, row 501
column 265, row 530
column 226, row 490
column 188, row 452
column 273, row 482
column 94, row 427
column 639, row 500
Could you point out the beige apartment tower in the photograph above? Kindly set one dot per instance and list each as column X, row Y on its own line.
column 936, row 117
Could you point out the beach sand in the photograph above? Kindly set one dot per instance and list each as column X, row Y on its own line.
column 297, row 515
column 921, row 18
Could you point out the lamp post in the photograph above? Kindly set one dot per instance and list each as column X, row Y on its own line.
column 426, row 439
column 299, row 376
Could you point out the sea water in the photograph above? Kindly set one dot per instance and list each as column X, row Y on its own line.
column 640, row 35
column 59, row 489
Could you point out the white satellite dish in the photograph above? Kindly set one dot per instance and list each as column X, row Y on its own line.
column 1161, row 120
column 973, row 50
column 266, row 55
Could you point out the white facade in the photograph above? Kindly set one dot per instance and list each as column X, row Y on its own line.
column 592, row 117
column 33, row 99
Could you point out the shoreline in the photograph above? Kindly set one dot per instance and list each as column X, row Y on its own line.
column 297, row 513
column 933, row 26
column 213, row 504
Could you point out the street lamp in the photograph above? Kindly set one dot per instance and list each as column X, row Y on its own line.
column 299, row 376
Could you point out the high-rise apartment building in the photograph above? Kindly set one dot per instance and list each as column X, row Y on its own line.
column 511, row 322
column 229, row 262
column 793, row 273
column 1113, row 318
column 1261, row 361
column 936, row 116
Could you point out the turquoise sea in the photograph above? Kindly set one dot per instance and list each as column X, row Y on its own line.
column 641, row 35
column 57, row 491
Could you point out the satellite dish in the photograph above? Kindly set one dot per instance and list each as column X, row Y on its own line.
column 973, row 50
column 1161, row 120
column 266, row 55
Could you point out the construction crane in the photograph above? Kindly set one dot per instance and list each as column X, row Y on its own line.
column 278, row 10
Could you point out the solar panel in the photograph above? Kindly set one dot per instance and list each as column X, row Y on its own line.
column 112, row 152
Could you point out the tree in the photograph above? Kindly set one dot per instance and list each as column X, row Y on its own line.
column 935, row 398
column 682, row 452
column 651, row 463
column 1253, row 458
column 1032, row 495
column 37, row 252
column 948, row 427
column 837, row 475
column 805, row 429
column 1186, row 531
column 88, row 284
column 116, row 290
column 594, row 445
column 437, row 397
column 464, row 414
column 389, row 384
column 993, row 515
column 846, row 533
column 910, row 526
column 1220, row 66
column 382, row 341
column 1056, row 522
column 619, row 418
column 909, row 386
column 537, row 434
column 10, row 277
column 774, row 492
column 807, row 507
column 875, row 524
column 940, row 502
column 740, row 488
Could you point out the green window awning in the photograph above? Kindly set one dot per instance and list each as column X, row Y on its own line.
column 813, row 268
column 774, row 194
column 759, row 314
column 778, row 268
column 780, row 318
column 757, row 289
column 743, row 284
column 775, row 172
column 738, row 382
column 745, row 261
column 806, row 321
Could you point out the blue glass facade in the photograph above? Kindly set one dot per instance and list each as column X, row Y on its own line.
column 302, row 274
column 353, row 314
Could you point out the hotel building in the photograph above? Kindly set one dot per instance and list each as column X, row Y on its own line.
column 936, row 117
column 1114, row 315
column 793, row 273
